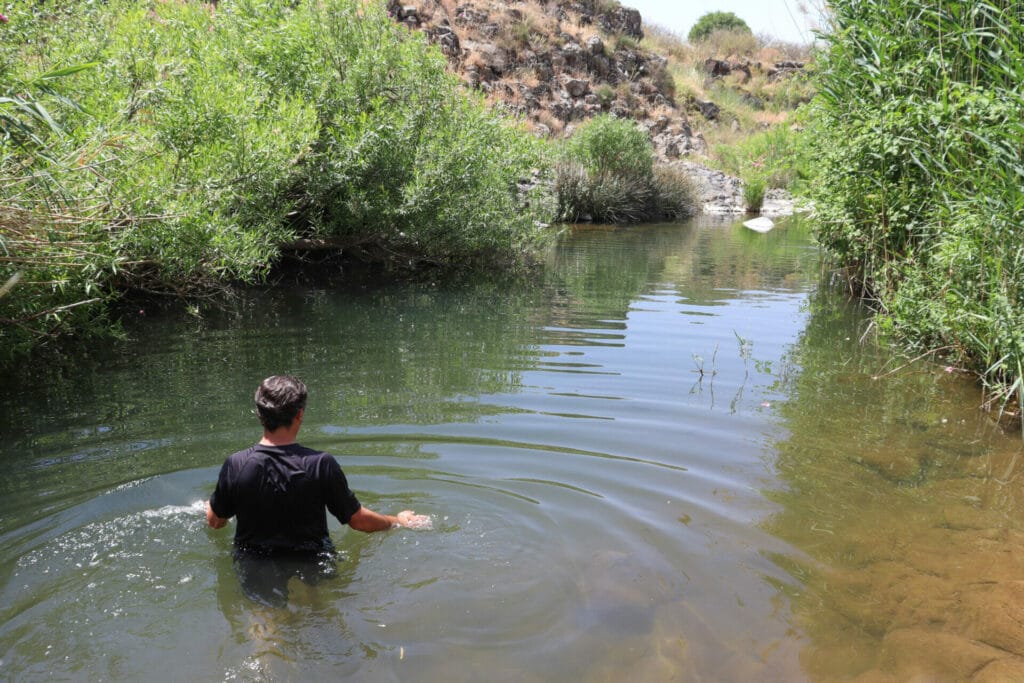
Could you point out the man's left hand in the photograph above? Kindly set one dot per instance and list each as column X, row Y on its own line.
column 411, row 520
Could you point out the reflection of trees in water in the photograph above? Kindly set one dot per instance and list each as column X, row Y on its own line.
column 179, row 394
column 900, row 492
column 708, row 261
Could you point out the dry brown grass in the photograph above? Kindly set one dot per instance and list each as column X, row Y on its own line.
column 723, row 45
column 772, row 118
column 585, row 33
column 658, row 112
column 527, row 77
column 734, row 45
column 554, row 124
column 475, row 59
column 665, row 42
column 539, row 16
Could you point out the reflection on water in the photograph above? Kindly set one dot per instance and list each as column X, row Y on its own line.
column 661, row 458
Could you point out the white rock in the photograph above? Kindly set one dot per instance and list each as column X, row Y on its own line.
column 760, row 224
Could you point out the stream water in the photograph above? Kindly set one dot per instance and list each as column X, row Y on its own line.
column 673, row 454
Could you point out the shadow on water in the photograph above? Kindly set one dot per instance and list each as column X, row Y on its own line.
column 906, row 500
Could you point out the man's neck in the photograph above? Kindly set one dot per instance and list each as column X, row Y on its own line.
column 285, row 435
column 278, row 437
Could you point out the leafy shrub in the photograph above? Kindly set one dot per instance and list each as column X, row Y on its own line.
column 608, row 174
column 716, row 21
column 205, row 139
column 619, row 198
column 779, row 155
column 573, row 191
column 674, row 195
column 606, row 144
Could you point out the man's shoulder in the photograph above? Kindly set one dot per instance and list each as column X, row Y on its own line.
column 321, row 462
column 239, row 458
column 313, row 460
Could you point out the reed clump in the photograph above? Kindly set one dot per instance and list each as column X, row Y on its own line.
column 918, row 126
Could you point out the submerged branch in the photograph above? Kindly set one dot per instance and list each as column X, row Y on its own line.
column 48, row 312
column 912, row 361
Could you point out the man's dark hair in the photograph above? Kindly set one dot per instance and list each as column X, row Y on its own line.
column 278, row 400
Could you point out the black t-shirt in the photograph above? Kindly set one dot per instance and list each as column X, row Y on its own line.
column 281, row 495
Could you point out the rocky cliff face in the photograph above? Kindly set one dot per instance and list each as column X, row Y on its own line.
column 557, row 63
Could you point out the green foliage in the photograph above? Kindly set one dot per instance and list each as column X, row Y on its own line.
column 203, row 137
column 24, row 120
column 789, row 93
column 608, row 174
column 626, row 42
column 674, row 196
column 711, row 22
column 779, row 156
column 603, row 197
column 49, row 276
column 606, row 144
column 920, row 194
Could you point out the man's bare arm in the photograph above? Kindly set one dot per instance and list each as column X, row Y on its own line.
column 212, row 519
column 369, row 521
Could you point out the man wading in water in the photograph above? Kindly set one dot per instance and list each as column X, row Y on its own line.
column 281, row 493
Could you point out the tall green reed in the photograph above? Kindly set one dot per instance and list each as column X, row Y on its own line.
column 918, row 124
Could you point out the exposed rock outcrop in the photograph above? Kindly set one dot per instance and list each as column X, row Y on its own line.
column 556, row 63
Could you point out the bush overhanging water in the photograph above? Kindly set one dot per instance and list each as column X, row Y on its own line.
column 207, row 136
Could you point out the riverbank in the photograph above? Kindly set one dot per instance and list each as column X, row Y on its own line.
column 919, row 193
column 723, row 194
column 187, row 146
